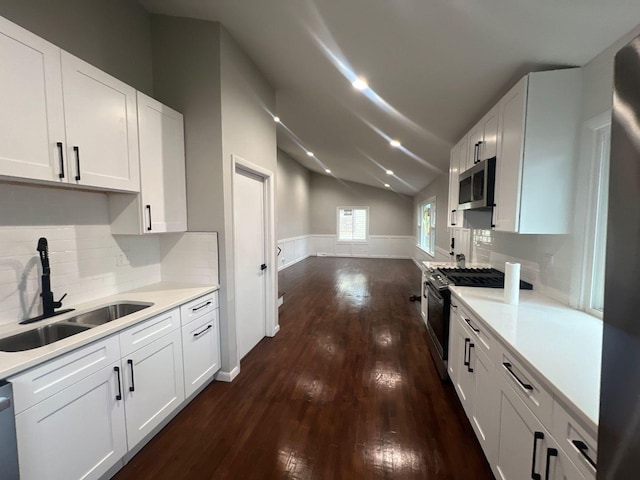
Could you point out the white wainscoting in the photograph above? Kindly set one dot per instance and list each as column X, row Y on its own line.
column 293, row 250
column 296, row 249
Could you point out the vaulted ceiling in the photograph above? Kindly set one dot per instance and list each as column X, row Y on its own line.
column 433, row 67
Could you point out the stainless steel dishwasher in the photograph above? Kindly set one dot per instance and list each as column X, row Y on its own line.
column 8, row 447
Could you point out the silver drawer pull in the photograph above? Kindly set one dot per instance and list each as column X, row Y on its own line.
column 4, row 403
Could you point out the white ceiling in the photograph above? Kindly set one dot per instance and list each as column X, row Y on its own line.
column 435, row 65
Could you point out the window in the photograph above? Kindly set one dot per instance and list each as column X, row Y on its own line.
column 353, row 224
column 599, row 130
column 601, row 194
column 426, row 237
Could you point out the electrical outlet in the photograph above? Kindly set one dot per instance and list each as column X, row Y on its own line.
column 122, row 260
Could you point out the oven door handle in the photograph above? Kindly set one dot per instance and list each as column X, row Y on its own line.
column 434, row 291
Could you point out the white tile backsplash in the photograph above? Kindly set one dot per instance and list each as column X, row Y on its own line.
column 190, row 257
column 83, row 253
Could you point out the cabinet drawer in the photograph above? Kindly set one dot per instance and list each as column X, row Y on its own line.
column 39, row 383
column 479, row 331
column 201, row 351
column 198, row 307
column 578, row 442
column 146, row 332
column 527, row 386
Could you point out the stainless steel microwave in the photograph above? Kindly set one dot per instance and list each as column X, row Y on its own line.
column 477, row 186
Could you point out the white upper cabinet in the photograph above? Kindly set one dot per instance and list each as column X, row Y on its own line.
column 101, row 124
column 162, row 205
column 454, row 219
column 536, row 150
column 473, row 147
column 32, row 134
column 63, row 120
column 489, row 146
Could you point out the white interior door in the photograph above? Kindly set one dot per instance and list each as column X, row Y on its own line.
column 249, row 218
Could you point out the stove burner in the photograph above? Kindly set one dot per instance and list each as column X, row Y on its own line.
column 478, row 277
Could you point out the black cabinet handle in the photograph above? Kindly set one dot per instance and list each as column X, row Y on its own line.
column 508, row 366
column 263, row 266
column 469, row 369
column 584, row 449
column 61, row 157
column 119, row 395
column 551, row 452
column 132, row 388
column 76, row 150
column 536, row 436
column 466, row 345
column 202, row 331
column 195, row 309
column 493, row 208
column 452, row 217
column 279, row 251
column 148, row 207
column 475, row 153
column 479, row 145
column 472, row 327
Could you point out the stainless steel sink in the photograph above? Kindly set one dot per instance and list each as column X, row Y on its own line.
column 107, row 314
column 38, row 337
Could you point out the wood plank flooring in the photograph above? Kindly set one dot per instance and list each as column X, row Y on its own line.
column 345, row 390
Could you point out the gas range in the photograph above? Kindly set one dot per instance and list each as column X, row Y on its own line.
column 442, row 278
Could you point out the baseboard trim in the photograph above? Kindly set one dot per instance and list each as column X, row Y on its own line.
column 287, row 265
column 276, row 330
column 228, row 376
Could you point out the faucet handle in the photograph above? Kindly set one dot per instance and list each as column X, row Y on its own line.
column 58, row 304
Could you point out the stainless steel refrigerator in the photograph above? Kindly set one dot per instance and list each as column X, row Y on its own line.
column 619, row 426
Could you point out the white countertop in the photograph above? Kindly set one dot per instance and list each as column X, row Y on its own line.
column 564, row 345
column 453, row 265
column 164, row 296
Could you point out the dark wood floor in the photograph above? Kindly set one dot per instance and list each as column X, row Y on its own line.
column 346, row 390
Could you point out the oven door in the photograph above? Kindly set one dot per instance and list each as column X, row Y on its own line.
column 437, row 318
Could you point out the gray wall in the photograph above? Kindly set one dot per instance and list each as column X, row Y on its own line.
column 293, row 193
column 200, row 71
column 113, row 35
column 440, row 189
column 390, row 213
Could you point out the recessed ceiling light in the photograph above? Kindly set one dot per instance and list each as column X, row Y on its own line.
column 310, row 153
column 389, row 172
column 386, row 185
column 327, row 170
column 276, row 119
column 394, row 143
column 360, row 84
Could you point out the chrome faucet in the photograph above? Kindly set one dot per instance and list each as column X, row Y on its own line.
column 49, row 305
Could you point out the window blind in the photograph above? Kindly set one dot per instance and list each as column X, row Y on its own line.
column 352, row 224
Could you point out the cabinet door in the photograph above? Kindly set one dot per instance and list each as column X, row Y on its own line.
column 162, row 167
column 78, row 433
column 522, row 440
column 485, row 402
column 201, row 347
column 464, row 382
column 454, row 167
column 32, row 135
column 154, row 385
column 489, row 147
column 101, row 125
column 475, row 145
column 509, row 164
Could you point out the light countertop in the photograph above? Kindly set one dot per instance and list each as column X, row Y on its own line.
column 562, row 344
column 163, row 296
column 453, row 265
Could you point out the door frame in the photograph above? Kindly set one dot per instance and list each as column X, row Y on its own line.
column 271, row 281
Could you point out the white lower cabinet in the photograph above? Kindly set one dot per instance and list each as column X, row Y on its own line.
column 78, row 415
column 78, row 433
column 153, row 385
column 509, row 409
column 200, row 342
column 525, row 448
